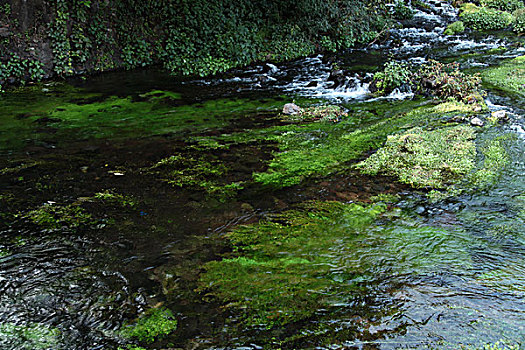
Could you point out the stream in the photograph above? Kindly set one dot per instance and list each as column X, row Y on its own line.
column 425, row 275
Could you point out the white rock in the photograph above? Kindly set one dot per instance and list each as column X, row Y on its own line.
column 477, row 122
column 291, row 108
column 499, row 114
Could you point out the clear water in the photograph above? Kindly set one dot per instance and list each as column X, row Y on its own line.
column 462, row 282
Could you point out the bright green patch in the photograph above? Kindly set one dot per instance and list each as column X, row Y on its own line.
column 509, row 76
column 58, row 216
column 154, row 325
column 29, row 337
column 455, row 28
column 286, row 268
column 424, row 158
column 495, row 159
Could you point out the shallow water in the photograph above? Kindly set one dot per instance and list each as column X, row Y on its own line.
column 424, row 275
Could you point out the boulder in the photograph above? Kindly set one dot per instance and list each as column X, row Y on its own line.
column 476, row 122
column 291, row 109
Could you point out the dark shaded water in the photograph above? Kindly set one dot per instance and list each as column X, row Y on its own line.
column 73, row 287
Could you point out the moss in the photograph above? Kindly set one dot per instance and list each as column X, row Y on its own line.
column 495, row 159
column 58, row 216
column 29, row 337
column 328, row 113
column 423, row 158
column 455, row 28
column 200, row 171
column 509, row 76
column 290, row 266
column 74, row 114
column 116, row 198
column 485, row 18
column 153, row 325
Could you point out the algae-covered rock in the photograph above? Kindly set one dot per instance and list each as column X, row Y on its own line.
column 153, row 325
column 425, row 158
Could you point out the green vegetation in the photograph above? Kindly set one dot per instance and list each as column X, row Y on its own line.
column 77, row 115
column 422, row 158
column 503, row 5
column 203, row 172
column 154, row 325
column 29, row 337
column 116, row 199
column 509, row 76
column 518, row 25
column 187, row 37
column 318, row 149
column 444, row 81
column 394, row 75
column 455, row 28
column 292, row 265
column 401, row 11
column 328, row 113
column 58, row 216
column 485, row 18
column 495, row 159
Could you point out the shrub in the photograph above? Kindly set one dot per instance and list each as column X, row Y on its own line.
column 392, row 77
column 486, row 19
column 518, row 24
column 401, row 11
column 447, row 81
column 503, row 5
column 455, row 28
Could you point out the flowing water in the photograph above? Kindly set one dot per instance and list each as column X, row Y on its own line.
column 432, row 275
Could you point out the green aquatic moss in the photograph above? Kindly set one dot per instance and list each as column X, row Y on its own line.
column 201, row 171
column 32, row 336
column 63, row 113
column 425, row 158
column 509, row 76
column 58, row 216
column 495, row 159
column 290, row 266
column 153, row 325
column 455, row 28
column 116, row 198
column 328, row 113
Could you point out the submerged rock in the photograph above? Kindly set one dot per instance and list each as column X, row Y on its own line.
column 499, row 115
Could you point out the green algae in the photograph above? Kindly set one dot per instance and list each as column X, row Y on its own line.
column 495, row 158
column 290, row 266
column 154, row 325
column 64, row 113
column 508, row 77
column 29, row 337
column 57, row 216
column 200, row 171
column 319, row 149
column 422, row 158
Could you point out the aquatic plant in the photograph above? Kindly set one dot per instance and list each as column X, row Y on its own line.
column 292, row 265
column 116, row 198
column 509, row 76
column 154, row 325
column 53, row 216
column 394, row 75
column 32, row 336
column 425, row 158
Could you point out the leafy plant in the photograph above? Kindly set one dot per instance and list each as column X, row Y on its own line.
column 401, row 11
column 518, row 25
column 503, row 5
column 486, row 19
column 394, row 75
